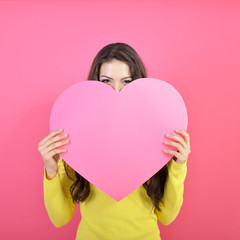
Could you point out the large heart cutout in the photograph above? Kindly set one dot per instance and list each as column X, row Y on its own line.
column 116, row 139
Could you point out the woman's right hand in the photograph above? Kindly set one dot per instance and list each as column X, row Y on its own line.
column 49, row 151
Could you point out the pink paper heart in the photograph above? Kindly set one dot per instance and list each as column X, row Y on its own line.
column 116, row 139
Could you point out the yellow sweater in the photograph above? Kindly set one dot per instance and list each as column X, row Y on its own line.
column 103, row 218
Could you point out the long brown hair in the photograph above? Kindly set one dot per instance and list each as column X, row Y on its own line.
column 80, row 189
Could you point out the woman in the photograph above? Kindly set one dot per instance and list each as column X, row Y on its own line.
column 134, row 217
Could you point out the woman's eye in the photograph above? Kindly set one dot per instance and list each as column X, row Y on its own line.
column 104, row 80
column 128, row 81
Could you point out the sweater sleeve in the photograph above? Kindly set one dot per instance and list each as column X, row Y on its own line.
column 57, row 196
column 173, row 192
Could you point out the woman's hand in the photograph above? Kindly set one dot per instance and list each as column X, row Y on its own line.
column 49, row 151
column 183, row 146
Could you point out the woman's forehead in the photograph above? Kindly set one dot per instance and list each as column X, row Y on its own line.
column 115, row 69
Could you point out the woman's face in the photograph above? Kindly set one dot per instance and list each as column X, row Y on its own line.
column 116, row 74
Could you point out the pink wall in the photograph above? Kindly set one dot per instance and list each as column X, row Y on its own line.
column 47, row 46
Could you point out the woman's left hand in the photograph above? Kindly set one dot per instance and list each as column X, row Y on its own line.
column 183, row 146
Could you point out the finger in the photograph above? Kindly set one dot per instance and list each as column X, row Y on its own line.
column 178, row 139
column 50, row 136
column 57, row 149
column 174, row 153
column 56, row 139
column 175, row 144
column 57, row 144
column 185, row 135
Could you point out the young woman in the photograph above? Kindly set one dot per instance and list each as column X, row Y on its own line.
column 134, row 217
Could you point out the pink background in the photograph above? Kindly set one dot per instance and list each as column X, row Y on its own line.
column 194, row 45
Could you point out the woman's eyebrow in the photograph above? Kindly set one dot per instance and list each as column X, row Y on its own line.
column 111, row 78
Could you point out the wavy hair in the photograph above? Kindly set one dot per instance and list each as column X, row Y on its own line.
column 80, row 189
